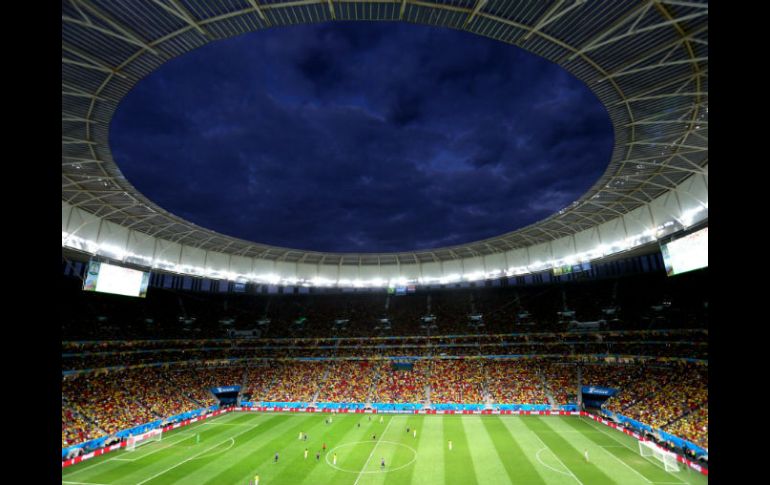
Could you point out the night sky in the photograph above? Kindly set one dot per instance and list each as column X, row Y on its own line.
column 361, row 137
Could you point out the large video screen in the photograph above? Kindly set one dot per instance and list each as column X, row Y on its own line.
column 687, row 253
column 108, row 278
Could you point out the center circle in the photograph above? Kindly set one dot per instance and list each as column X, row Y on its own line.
column 378, row 445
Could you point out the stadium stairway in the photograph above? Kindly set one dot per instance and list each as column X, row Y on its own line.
column 682, row 416
column 75, row 409
column 373, row 389
column 320, row 383
column 547, row 389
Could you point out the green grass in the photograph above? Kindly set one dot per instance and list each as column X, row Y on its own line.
column 486, row 450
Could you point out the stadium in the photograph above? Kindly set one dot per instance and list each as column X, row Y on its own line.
column 573, row 349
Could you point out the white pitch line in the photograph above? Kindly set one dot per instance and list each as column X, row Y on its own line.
column 372, row 453
column 157, row 449
column 85, row 483
column 537, row 455
column 600, row 427
column 557, row 458
column 195, row 456
column 627, row 465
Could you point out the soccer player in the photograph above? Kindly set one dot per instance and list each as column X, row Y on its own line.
column 305, row 436
column 382, row 462
column 317, row 456
column 256, row 479
column 585, row 453
column 380, row 419
column 334, row 460
column 300, row 435
column 324, row 447
column 374, row 437
column 450, row 445
column 415, row 434
column 276, row 457
column 359, row 425
column 407, row 429
column 306, row 453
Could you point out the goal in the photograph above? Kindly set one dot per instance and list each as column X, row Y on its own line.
column 144, row 438
column 648, row 448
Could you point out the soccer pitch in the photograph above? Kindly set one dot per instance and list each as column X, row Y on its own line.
column 233, row 448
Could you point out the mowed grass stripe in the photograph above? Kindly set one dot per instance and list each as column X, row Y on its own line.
column 626, row 455
column 486, row 462
column 395, row 455
column 545, row 463
column 214, row 451
column 365, row 457
column 257, row 447
column 587, row 473
column 296, row 468
column 610, row 464
column 518, row 468
column 149, row 460
column 99, row 462
column 632, row 445
column 352, row 457
column 458, row 463
column 403, row 455
column 430, row 452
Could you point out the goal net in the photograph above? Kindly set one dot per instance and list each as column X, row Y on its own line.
column 144, row 438
column 648, row 448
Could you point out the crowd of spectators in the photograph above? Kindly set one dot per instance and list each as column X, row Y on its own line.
column 561, row 381
column 299, row 381
column 456, row 381
column 671, row 396
column 401, row 386
column 515, row 381
column 109, row 405
column 693, row 427
column 683, row 343
column 348, row 381
column 74, row 428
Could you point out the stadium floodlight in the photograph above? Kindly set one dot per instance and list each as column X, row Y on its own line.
column 668, row 458
column 144, row 438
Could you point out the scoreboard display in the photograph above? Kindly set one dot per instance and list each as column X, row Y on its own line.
column 687, row 253
column 108, row 278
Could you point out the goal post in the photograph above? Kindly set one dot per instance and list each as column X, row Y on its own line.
column 144, row 438
column 648, row 448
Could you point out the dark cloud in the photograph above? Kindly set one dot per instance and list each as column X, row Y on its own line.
column 361, row 137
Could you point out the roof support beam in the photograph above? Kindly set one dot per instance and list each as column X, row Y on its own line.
column 124, row 32
column 403, row 7
column 68, row 90
column 693, row 60
column 255, row 5
column 90, row 61
column 632, row 31
column 548, row 16
column 479, row 5
column 179, row 11
column 639, row 11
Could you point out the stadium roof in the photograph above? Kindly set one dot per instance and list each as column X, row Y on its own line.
column 647, row 62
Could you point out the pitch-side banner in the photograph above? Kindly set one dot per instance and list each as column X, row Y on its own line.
column 599, row 391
